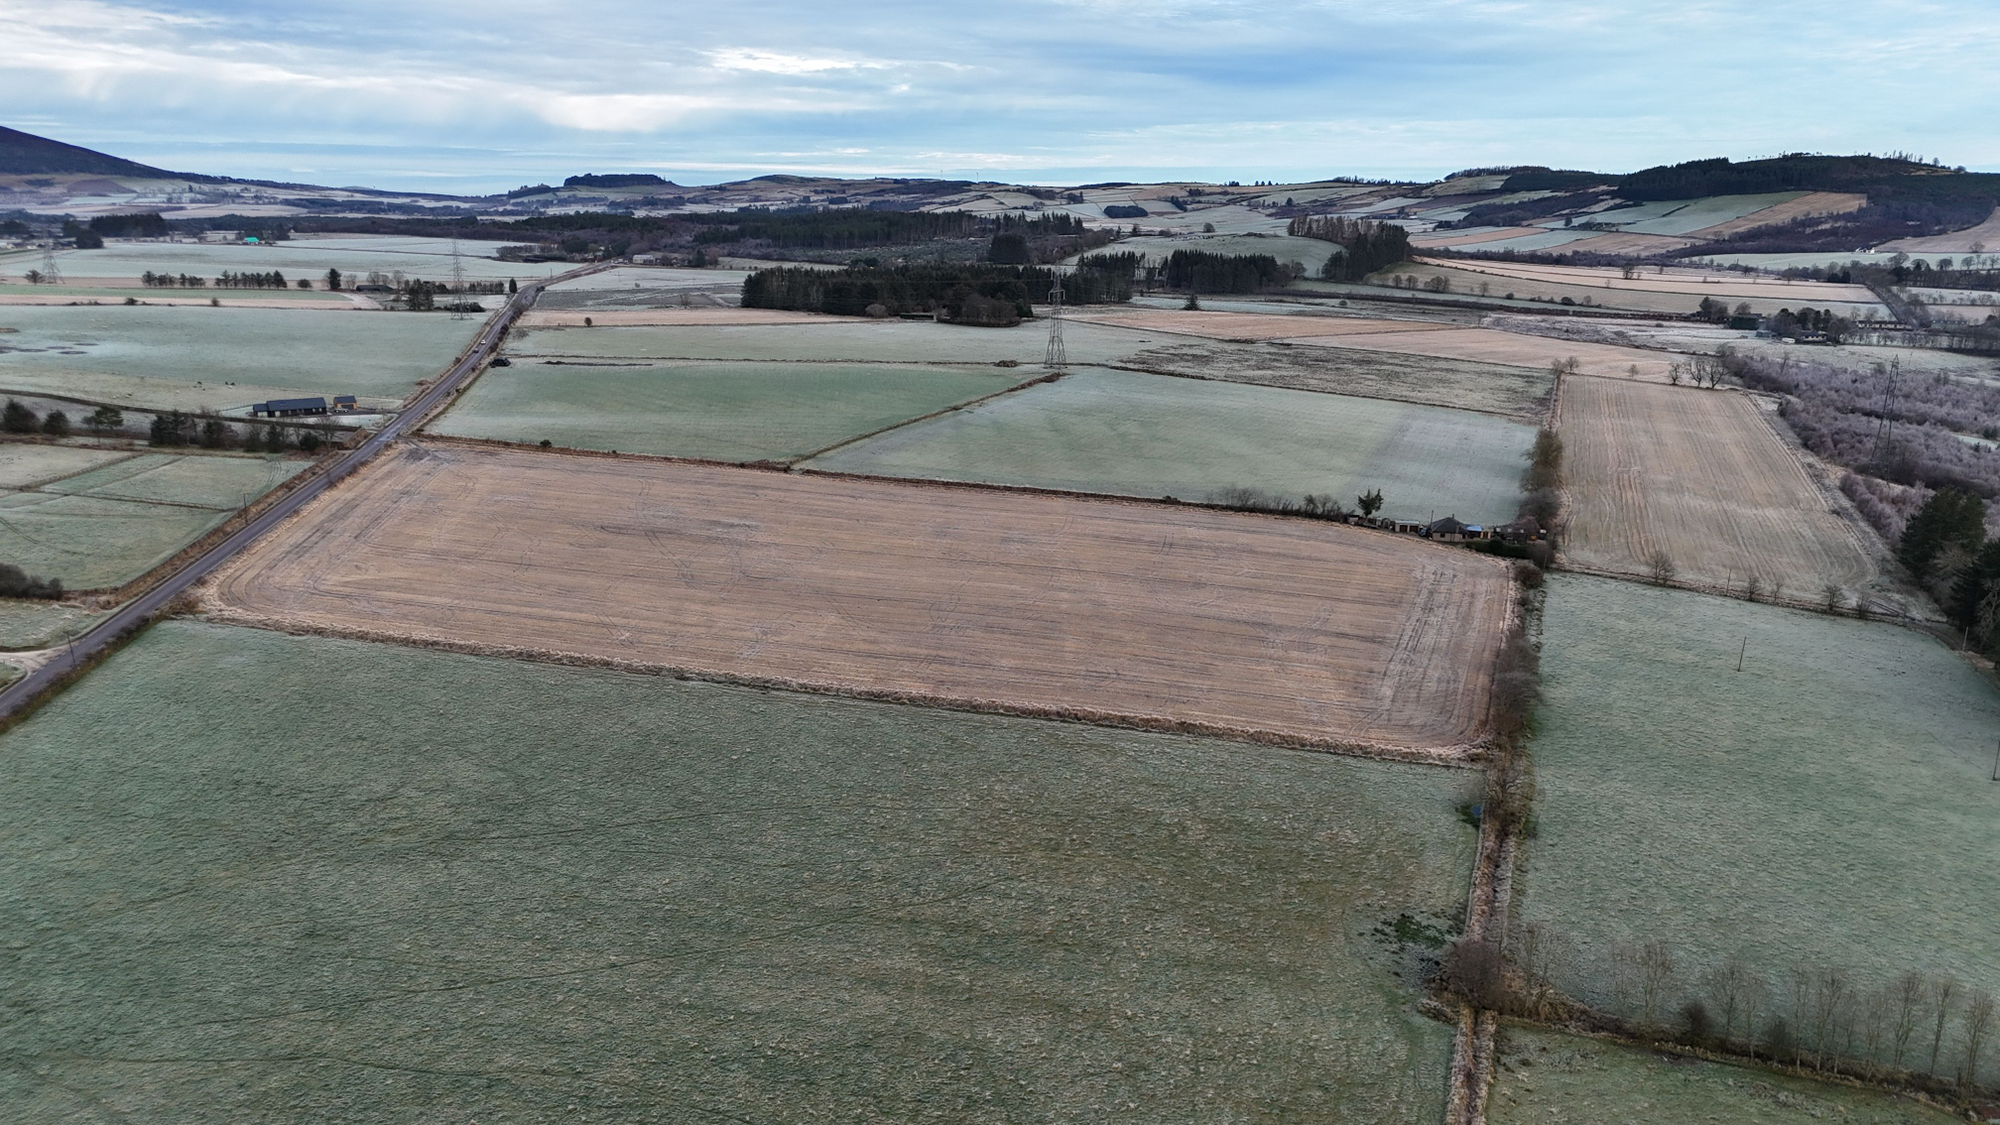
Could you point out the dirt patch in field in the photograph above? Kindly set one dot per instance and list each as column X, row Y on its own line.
column 1491, row 388
column 1486, row 345
column 574, row 318
column 1146, row 615
column 1700, row 477
column 1251, row 326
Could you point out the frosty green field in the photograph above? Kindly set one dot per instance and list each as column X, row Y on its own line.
column 716, row 411
column 840, row 340
column 505, row 891
column 104, row 520
column 1829, row 806
column 1548, row 1078
column 1157, row 435
column 38, row 624
column 428, row 258
column 191, row 357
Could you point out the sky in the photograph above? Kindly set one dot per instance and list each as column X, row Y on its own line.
column 450, row 96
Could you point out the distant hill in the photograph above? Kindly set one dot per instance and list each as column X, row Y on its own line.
column 25, row 154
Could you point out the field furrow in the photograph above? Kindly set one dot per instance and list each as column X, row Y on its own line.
column 1142, row 614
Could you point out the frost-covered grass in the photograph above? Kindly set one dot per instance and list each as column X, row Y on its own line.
column 256, row 876
column 1548, row 1078
column 718, row 411
column 37, row 624
column 427, row 258
column 841, row 341
column 92, row 543
column 1828, row 806
column 103, row 526
column 1157, row 435
column 191, row 357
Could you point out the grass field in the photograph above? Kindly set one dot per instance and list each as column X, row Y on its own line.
column 838, row 340
column 27, row 464
column 428, row 258
column 192, row 357
column 102, row 526
column 1548, row 1078
column 1519, row 392
column 512, row 892
column 721, row 412
column 1701, row 476
column 1154, row 435
column 1827, row 806
column 39, row 624
column 1294, row 629
column 636, row 287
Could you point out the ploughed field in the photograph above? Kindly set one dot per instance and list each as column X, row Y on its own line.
column 1294, row 630
column 1700, row 477
column 1409, row 337
column 1827, row 808
column 101, row 518
column 378, row 883
column 1153, row 435
column 714, row 411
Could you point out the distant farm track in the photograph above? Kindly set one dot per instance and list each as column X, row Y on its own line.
column 1136, row 614
column 1700, row 476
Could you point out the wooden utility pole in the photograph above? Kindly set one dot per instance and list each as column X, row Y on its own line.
column 1739, row 653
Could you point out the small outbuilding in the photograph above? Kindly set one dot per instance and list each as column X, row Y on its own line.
column 344, row 403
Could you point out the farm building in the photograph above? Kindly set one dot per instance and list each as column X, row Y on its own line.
column 289, row 407
column 343, row 402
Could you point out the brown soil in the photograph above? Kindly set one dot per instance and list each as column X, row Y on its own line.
column 1285, row 630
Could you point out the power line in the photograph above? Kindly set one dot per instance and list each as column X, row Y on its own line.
column 457, row 283
column 51, row 275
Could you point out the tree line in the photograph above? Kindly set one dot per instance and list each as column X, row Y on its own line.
column 1365, row 246
column 1200, row 271
column 1928, row 1031
column 895, row 290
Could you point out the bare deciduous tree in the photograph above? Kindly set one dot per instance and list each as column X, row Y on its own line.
column 1656, row 974
column 1907, row 993
column 1660, row 566
column 1944, row 992
column 1978, row 1025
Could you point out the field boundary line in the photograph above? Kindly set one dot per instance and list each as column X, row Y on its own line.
column 768, row 466
column 968, row 404
column 1465, row 756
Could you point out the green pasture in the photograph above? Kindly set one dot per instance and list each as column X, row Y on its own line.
column 1157, row 435
column 26, row 624
column 194, row 357
column 90, row 542
column 260, row 877
column 721, row 412
column 1829, row 806
column 1548, row 1078
column 1681, row 216
column 104, row 519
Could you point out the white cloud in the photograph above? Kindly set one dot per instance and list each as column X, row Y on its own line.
column 773, row 62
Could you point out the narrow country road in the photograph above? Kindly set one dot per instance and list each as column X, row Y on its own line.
column 134, row 613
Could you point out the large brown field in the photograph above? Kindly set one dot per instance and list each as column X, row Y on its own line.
column 1407, row 337
column 1143, row 614
column 1700, row 476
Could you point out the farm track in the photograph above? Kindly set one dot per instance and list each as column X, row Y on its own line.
column 1128, row 613
column 1701, row 477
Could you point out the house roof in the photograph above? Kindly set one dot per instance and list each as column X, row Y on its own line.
column 295, row 404
column 1447, row 526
